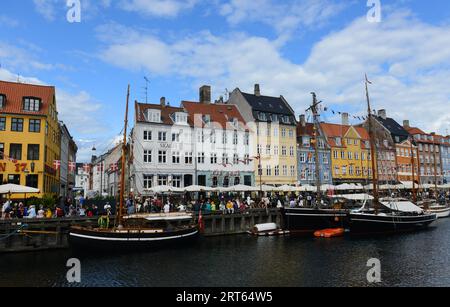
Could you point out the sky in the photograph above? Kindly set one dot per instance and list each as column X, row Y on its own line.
column 290, row 48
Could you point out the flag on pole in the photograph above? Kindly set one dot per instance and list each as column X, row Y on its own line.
column 114, row 167
column 72, row 166
column 57, row 164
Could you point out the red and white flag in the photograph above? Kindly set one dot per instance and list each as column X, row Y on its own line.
column 100, row 167
column 72, row 166
column 201, row 224
column 114, row 167
column 57, row 164
column 86, row 168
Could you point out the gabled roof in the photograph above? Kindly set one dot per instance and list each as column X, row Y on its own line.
column 166, row 112
column 414, row 131
column 333, row 131
column 275, row 105
column 15, row 92
column 220, row 114
column 308, row 129
column 394, row 128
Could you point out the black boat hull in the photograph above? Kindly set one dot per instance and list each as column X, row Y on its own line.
column 92, row 239
column 371, row 224
column 305, row 221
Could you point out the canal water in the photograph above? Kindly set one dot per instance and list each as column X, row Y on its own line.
column 418, row 259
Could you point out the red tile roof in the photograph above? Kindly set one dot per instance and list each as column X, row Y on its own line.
column 166, row 112
column 332, row 131
column 15, row 92
column 308, row 129
column 220, row 114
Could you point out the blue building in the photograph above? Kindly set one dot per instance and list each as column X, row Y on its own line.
column 445, row 157
column 306, row 155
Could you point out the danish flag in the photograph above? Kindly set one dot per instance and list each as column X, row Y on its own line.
column 57, row 164
column 86, row 168
column 100, row 167
column 114, row 167
column 72, row 166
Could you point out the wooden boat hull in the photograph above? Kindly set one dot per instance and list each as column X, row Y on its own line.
column 86, row 238
column 308, row 220
column 362, row 224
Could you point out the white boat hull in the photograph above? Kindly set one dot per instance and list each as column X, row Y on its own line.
column 440, row 212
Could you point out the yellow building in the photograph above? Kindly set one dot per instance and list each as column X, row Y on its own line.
column 275, row 141
column 350, row 153
column 29, row 137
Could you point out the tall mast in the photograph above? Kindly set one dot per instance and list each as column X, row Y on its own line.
column 124, row 152
column 313, row 108
column 413, row 165
column 372, row 149
column 435, row 171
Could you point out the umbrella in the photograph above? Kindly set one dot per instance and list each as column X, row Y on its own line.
column 306, row 188
column 241, row 188
column 17, row 189
column 270, row 188
column 198, row 188
column 287, row 188
column 165, row 189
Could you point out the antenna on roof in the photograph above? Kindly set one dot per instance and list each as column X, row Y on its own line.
column 227, row 94
column 147, row 81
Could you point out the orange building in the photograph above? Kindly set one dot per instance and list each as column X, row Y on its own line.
column 404, row 155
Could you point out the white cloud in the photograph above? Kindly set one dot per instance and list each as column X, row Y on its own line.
column 8, row 21
column 160, row 8
column 46, row 8
column 285, row 16
column 408, row 61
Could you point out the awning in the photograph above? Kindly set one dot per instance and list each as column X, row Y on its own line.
column 402, row 206
column 354, row 196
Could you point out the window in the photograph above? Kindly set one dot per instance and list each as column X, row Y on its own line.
column 258, row 149
column 237, row 180
column 292, row 171
column 162, row 180
column 224, row 137
column 224, row 158
column 326, row 176
column 2, row 101
column 343, row 155
column 147, row 156
column 356, row 155
column 2, row 151
column 268, row 170
column 268, row 149
column 162, row 157
column 275, row 150
column 235, row 138
column 336, row 170
column 176, row 157
column 226, row 181
column 15, row 151
column 262, row 116
column 338, row 142
column 277, row 170
column 292, row 151
column 147, row 135
column 283, row 151
column 215, row 182
column 201, row 137
column 213, row 158
column 363, row 156
column 175, row 137
column 162, row 136
column 31, row 104
column 176, row 181
column 247, row 159
column 283, row 132
column 285, row 171
column 247, row 138
column 350, row 155
column 17, row 124
column 201, row 158
column 35, row 125
column 14, row 179
column 2, row 123
column 306, row 141
column 260, row 170
column 350, row 170
column 148, row 181
column 291, row 133
column 275, row 132
column 213, row 137
column 33, row 152
column 325, row 159
column 32, row 181
column 344, row 170
column 188, row 158
column 302, row 157
column 335, row 154
column 235, row 159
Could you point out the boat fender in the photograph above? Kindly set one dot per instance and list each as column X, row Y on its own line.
column 103, row 222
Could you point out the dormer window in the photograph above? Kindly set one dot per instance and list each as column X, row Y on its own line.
column 275, row 118
column 180, row 118
column 262, row 116
column 154, row 116
column 31, row 104
column 285, row 120
column 2, row 101
column 338, row 142
column 206, row 118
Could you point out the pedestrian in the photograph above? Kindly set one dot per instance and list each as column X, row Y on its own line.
column 32, row 212
column 167, row 208
column 41, row 212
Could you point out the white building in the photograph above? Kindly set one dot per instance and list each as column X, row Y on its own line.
column 223, row 143
column 162, row 148
column 82, row 179
column 68, row 157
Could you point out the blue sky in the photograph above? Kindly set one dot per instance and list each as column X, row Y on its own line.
column 289, row 47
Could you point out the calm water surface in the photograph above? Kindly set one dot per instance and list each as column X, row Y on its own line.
column 419, row 259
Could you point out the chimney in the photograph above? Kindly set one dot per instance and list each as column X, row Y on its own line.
column 382, row 113
column 205, row 94
column 303, row 120
column 406, row 124
column 345, row 119
column 162, row 101
column 257, row 90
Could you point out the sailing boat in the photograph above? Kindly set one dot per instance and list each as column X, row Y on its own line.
column 134, row 231
column 306, row 221
column 388, row 215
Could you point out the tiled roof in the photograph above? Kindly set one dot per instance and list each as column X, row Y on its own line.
column 15, row 92
column 414, row 130
column 219, row 113
column 166, row 112
column 308, row 129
